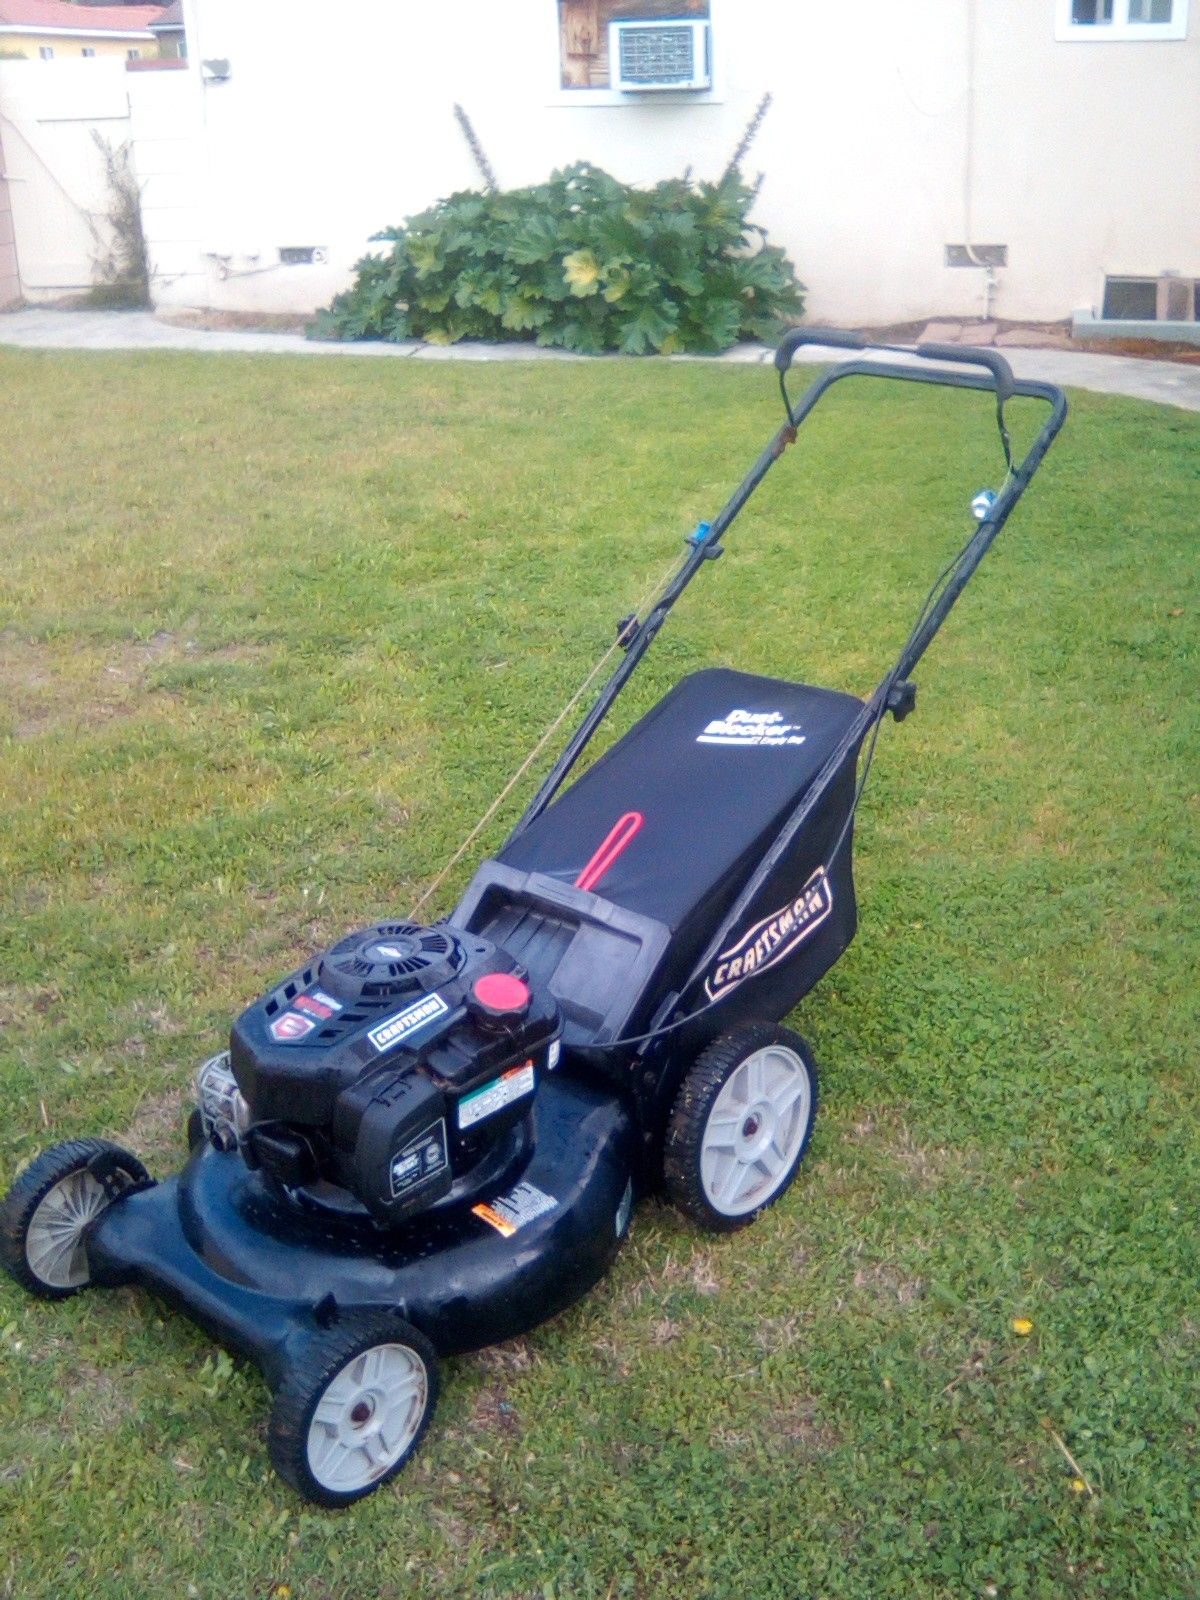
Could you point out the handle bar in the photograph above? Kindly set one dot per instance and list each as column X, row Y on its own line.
column 839, row 339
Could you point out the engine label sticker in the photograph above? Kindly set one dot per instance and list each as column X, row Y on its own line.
column 773, row 939
column 318, row 1004
column 403, row 1024
column 751, row 728
column 421, row 1158
column 291, row 1027
column 508, row 1213
column 494, row 1096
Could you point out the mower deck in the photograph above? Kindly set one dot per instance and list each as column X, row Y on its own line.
column 261, row 1275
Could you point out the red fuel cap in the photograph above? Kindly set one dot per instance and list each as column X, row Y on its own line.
column 500, row 994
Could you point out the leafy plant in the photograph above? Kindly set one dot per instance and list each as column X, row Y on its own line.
column 581, row 261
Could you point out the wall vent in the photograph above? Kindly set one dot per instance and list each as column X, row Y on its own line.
column 300, row 255
column 986, row 255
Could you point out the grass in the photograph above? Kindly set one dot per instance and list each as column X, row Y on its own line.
column 272, row 633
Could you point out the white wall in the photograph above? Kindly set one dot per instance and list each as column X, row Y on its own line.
column 1085, row 158
column 49, row 113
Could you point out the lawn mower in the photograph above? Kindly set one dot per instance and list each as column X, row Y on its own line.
column 430, row 1138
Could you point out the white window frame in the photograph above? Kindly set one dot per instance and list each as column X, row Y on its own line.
column 1120, row 30
column 45, row 52
column 714, row 95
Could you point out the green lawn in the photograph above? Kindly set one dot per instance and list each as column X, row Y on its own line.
column 272, row 634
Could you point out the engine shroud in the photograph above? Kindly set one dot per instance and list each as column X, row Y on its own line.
column 380, row 1072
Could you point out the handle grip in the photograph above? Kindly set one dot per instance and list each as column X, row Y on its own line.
column 970, row 356
column 836, row 337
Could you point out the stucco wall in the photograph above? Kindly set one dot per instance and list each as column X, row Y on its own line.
column 880, row 149
column 1084, row 158
column 49, row 114
column 10, row 280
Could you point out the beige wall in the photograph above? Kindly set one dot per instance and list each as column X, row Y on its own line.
column 70, row 47
column 48, row 115
column 10, row 281
column 1085, row 158
column 1082, row 158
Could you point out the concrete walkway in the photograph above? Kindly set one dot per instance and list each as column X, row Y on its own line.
column 1173, row 383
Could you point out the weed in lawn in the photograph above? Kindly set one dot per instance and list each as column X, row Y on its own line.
column 273, row 633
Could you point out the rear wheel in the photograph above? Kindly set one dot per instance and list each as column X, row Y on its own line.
column 740, row 1125
column 353, row 1408
column 46, row 1212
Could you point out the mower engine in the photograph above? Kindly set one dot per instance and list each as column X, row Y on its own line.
column 398, row 1067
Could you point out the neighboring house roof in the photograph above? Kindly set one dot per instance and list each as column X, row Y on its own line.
column 171, row 19
column 60, row 16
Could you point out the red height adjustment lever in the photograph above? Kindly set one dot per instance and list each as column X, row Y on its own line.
column 619, row 837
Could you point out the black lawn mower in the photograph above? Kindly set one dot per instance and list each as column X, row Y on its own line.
column 431, row 1138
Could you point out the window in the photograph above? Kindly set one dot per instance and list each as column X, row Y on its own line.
column 1121, row 21
column 583, row 29
column 133, row 55
column 88, row 51
column 46, row 52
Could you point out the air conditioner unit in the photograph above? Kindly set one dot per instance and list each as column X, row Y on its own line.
column 650, row 54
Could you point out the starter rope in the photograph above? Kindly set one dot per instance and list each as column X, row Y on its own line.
column 545, row 739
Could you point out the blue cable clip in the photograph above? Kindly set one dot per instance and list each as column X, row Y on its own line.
column 701, row 533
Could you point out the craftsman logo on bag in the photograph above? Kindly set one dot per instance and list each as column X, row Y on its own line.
column 773, row 939
column 751, row 728
column 402, row 1024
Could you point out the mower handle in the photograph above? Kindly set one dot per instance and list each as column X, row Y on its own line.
column 971, row 356
column 795, row 337
column 839, row 339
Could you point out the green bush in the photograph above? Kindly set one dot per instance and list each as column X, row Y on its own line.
column 582, row 261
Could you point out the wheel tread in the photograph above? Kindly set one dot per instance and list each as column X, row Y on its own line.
column 299, row 1393
column 697, row 1094
column 42, row 1174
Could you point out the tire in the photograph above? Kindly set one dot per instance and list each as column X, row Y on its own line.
column 349, row 1371
column 740, row 1125
column 47, row 1209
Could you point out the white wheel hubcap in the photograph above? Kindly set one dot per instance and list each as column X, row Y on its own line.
column 368, row 1417
column 755, row 1130
column 54, row 1245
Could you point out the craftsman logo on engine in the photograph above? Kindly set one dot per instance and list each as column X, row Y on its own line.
column 403, row 1024
column 290, row 1027
column 751, row 728
column 773, row 939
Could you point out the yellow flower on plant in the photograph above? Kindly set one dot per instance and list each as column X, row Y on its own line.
column 1078, row 1485
column 1022, row 1325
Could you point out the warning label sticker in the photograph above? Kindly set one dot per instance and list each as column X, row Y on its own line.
column 494, row 1096
column 508, row 1213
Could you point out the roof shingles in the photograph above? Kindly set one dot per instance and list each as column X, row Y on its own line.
column 61, row 14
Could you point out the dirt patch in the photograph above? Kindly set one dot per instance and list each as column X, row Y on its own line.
column 794, row 1427
column 156, row 1125
column 887, row 1283
column 494, row 1413
column 892, row 1138
column 514, row 1355
column 236, row 321
column 44, row 689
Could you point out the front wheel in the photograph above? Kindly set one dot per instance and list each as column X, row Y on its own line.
column 740, row 1125
column 353, row 1408
column 47, row 1211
